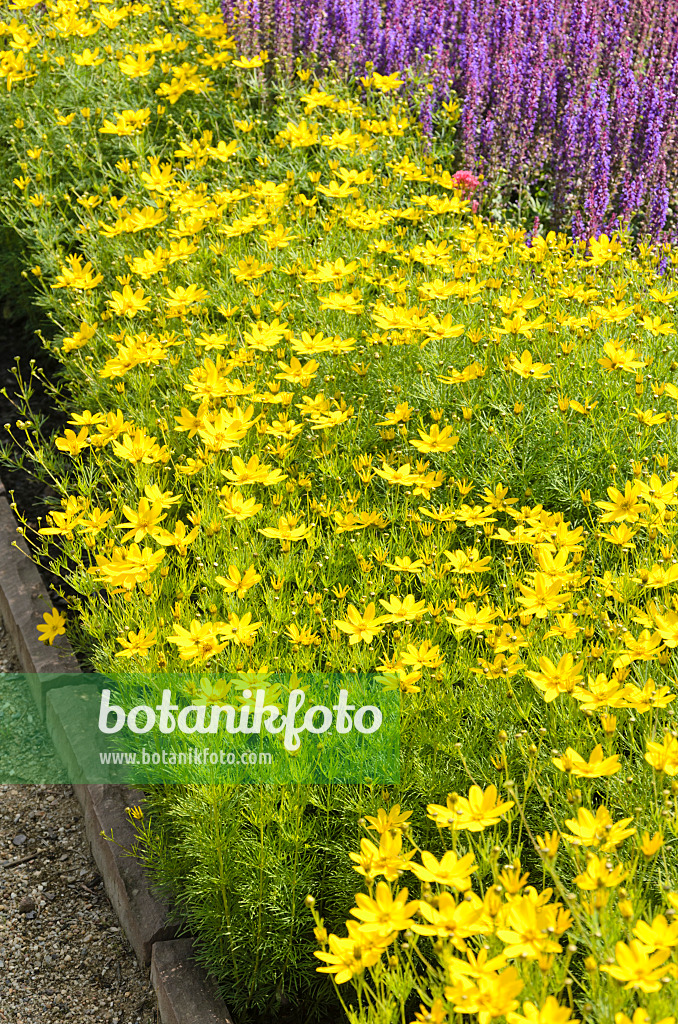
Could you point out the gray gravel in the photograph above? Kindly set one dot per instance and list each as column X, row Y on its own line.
column 63, row 955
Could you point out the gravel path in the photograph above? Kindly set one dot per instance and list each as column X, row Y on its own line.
column 63, row 956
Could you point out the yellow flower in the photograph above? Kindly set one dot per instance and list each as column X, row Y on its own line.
column 551, row 1013
column 529, row 930
column 287, row 530
column 477, row 620
column 298, row 135
column 641, row 1016
column 548, row 844
column 659, row 935
column 455, row 921
column 664, row 756
column 406, row 564
column 388, row 821
column 348, row 957
column 76, row 276
column 427, row 655
column 620, row 359
column 468, row 562
column 385, row 913
column 52, row 626
column 344, row 303
column 386, row 859
column 137, row 645
column 302, row 635
column 406, row 610
column 600, row 874
column 596, row 767
column 136, row 65
column 437, row 1014
column 140, row 448
column 637, row 967
column 198, row 643
column 236, row 506
column 493, row 995
column 237, row 582
column 450, row 870
column 141, row 521
column 436, row 440
column 239, row 629
column 73, row 443
column 386, row 83
column 543, row 597
column 624, row 507
column 600, row 830
column 475, row 813
column 247, row 63
column 553, row 680
column 524, row 366
column 130, row 122
column 128, row 302
column 361, row 625
column 126, row 566
column 88, row 58
column 650, row 846
column 602, row 692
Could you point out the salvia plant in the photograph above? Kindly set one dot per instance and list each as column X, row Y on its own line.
column 568, row 106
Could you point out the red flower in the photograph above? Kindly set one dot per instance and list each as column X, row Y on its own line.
column 465, row 180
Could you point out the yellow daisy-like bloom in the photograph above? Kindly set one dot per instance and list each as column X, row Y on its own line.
column 387, row 859
column 137, row 645
column 136, row 65
column 637, row 967
column 450, row 870
column 664, row 756
column 361, row 626
column 128, row 302
column 596, row 767
column 385, row 913
column 598, row 830
column 490, row 995
column 247, row 63
column 406, row 609
column 52, row 626
column 641, row 1016
column 237, row 582
column 553, row 680
column 659, row 935
column 388, row 821
column 75, row 275
column 550, row 1013
column 454, row 921
column 130, row 122
column 479, row 811
column 71, row 443
column 348, row 957
column 197, row 644
column 600, row 874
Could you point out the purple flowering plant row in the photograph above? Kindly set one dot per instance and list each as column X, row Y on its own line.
column 568, row 106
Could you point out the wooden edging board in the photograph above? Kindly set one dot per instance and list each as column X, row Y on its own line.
column 185, row 993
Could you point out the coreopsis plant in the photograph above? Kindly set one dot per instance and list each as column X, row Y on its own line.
column 477, row 939
column 321, row 416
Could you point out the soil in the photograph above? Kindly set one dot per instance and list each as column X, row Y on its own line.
column 63, row 955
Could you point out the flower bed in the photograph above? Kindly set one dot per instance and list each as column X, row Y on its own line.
column 323, row 416
column 567, row 106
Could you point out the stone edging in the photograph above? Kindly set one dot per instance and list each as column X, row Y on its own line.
column 185, row 993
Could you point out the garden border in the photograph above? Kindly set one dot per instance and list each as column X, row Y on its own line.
column 185, row 993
